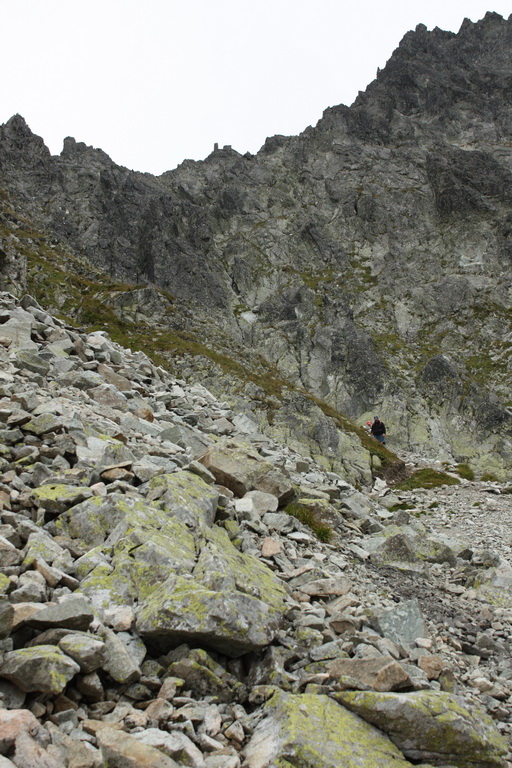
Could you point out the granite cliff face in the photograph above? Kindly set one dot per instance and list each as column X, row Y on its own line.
column 367, row 260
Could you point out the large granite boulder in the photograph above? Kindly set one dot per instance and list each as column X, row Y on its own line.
column 431, row 727
column 185, row 579
column 310, row 730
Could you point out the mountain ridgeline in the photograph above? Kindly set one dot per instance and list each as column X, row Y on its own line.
column 363, row 265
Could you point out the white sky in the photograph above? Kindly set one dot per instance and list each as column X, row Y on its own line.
column 153, row 82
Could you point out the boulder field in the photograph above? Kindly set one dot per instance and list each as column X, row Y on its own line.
column 162, row 604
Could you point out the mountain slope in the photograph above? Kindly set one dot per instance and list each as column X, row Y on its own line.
column 367, row 260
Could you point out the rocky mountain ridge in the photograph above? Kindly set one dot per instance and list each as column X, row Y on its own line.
column 366, row 260
column 161, row 604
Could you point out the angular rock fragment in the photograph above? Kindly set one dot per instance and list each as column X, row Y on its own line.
column 46, row 422
column 404, row 623
column 56, row 498
column 117, row 660
column 88, row 651
column 234, row 466
column 382, row 674
column 120, row 750
column 14, row 722
column 73, row 613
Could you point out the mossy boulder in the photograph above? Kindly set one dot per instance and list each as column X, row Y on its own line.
column 43, row 668
column 313, row 730
column 185, row 496
column 56, row 497
column 186, row 579
column 228, row 601
column 431, row 727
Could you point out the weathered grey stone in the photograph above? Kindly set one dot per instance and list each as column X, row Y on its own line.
column 82, row 379
column 276, row 484
column 9, row 554
column 31, row 361
column 73, row 613
column 144, row 469
column 185, row 496
column 120, row 750
column 13, row 723
column 29, row 753
column 109, row 396
column 357, row 505
column 279, row 521
column 41, row 545
column 87, row 651
column 233, row 603
column 56, row 498
column 120, row 382
column 404, row 623
column 11, row 696
column 234, row 466
column 18, row 329
column 118, row 661
column 332, row 587
column 259, row 502
column 382, row 674
column 176, row 745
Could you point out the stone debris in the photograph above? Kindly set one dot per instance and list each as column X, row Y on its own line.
column 160, row 606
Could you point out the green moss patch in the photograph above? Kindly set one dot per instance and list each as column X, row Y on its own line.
column 426, row 478
column 307, row 517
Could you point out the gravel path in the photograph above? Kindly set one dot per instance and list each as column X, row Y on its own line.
column 475, row 512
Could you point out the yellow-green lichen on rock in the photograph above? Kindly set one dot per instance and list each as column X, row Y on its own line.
column 185, row 579
column 431, row 726
column 43, row 668
column 186, row 496
column 495, row 585
column 57, row 497
column 311, row 731
column 183, row 609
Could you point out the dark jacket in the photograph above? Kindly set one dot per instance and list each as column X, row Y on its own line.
column 378, row 428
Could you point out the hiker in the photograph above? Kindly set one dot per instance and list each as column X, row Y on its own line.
column 379, row 430
column 368, row 427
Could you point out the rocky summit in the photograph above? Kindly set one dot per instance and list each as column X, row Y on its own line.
column 206, row 560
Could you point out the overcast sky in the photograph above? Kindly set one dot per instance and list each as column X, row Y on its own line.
column 153, row 82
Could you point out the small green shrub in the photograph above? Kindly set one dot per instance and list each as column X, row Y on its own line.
column 488, row 477
column 427, row 478
column 465, row 471
column 306, row 516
